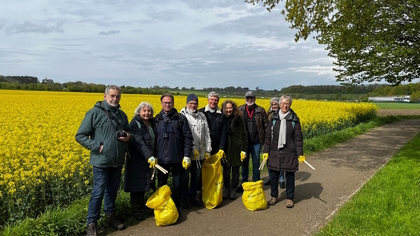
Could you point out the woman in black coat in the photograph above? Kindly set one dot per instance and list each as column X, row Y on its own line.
column 237, row 146
column 137, row 175
column 283, row 146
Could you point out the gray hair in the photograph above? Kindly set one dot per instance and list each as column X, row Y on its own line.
column 113, row 87
column 213, row 94
column 285, row 97
column 143, row 104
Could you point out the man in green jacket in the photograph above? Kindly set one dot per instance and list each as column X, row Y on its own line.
column 105, row 131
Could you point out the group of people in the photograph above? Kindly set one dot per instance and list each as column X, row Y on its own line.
column 180, row 142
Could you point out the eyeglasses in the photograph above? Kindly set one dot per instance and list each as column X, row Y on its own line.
column 285, row 103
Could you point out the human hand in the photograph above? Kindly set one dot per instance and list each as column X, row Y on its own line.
column 301, row 159
column 221, row 154
column 207, row 155
column 196, row 155
column 152, row 161
column 243, row 155
column 186, row 162
column 124, row 138
column 265, row 156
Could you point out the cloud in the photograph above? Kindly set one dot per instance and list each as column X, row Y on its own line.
column 35, row 27
column 109, row 32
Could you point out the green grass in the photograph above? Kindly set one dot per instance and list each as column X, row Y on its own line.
column 389, row 204
column 397, row 105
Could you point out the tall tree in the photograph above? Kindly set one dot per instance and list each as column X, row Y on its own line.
column 371, row 40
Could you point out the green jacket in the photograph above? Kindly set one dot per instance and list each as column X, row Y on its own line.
column 97, row 128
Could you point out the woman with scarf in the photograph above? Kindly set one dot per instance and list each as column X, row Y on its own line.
column 237, row 146
column 137, row 173
column 201, row 150
column 283, row 146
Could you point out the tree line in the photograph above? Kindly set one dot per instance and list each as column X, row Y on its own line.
column 318, row 92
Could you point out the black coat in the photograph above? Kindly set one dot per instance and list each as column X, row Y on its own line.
column 237, row 141
column 217, row 127
column 285, row 158
column 137, row 171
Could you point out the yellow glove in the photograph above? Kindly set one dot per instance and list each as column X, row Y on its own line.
column 301, row 159
column 196, row 155
column 221, row 154
column 152, row 161
column 243, row 155
column 186, row 162
column 265, row 156
column 207, row 155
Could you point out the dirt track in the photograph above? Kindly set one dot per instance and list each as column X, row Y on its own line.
column 340, row 172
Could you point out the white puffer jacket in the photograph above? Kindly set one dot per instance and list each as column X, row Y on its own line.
column 200, row 132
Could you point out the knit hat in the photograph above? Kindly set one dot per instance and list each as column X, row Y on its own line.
column 192, row 97
column 275, row 99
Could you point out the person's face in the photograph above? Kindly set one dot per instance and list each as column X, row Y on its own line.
column 145, row 113
column 167, row 104
column 113, row 97
column 274, row 106
column 229, row 109
column 192, row 106
column 285, row 105
column 250, row 101
column 213, row 102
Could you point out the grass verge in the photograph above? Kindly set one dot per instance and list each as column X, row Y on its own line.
column 389, row 204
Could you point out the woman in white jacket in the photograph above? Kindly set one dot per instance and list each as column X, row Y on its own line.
column 201, row 150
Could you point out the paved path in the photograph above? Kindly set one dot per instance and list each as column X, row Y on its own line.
column 340, row 172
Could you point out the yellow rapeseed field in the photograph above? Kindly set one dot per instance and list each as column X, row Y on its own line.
column 41, row 164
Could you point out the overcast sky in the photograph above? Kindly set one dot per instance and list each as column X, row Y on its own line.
column 142, row 43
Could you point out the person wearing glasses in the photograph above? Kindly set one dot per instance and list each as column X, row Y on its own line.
column 274, row 106
column 174, row 143
column 283, row 146
column 256, row 122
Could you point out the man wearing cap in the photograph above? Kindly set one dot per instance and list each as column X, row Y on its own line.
column 217, row 124
column 201, row 150
column 256, row 122
column 173, row 146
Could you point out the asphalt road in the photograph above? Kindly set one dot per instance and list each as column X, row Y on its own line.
column 340, row 172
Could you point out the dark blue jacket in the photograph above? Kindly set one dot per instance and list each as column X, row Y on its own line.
column 174, row 139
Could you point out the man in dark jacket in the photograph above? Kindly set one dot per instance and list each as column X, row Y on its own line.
column 256, row 122
column 174, row 144
column 105, row 131
column 217, row 123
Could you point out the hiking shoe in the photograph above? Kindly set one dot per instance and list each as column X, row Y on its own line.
column 272, row 201
column 179, row 215
column 289, row 203
column 282, row 185
column 232, row 195
column 114, row 222
column 239, row 189
column 92, row 229
column 226, row 193
column 185, row 204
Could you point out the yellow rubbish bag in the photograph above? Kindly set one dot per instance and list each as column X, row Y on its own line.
column 254, row 196
column 212, row 181
column 166, row 212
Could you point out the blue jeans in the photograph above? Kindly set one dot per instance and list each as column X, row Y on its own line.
column 106, row 182
column 290, row 184
column 281, row 177
column 195, row 185
column 254, row 150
